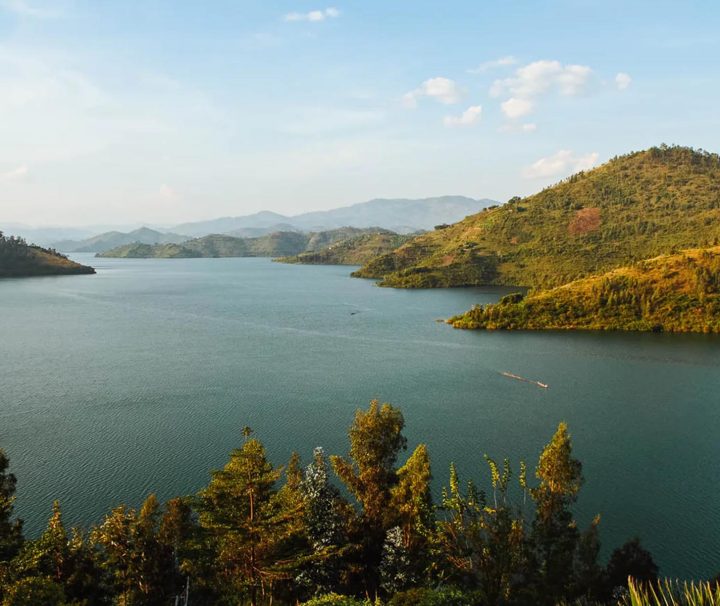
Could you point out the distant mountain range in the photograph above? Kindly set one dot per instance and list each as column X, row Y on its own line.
column 400, row 216
column 279, row 243
column 113, row 239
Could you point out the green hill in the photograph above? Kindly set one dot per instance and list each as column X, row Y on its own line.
column 634, row 207
column 352, row 251
column 19, row 259
column 277, row 244
column 674, row 293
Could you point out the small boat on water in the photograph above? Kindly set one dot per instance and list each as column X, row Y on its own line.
column 510, row 375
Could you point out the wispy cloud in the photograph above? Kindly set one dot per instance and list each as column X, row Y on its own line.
column 26, row 9
column 314, row 16
column 444, row 90
column 559, row 164
column 622, row 81
column 494, row 64
column 469, row 117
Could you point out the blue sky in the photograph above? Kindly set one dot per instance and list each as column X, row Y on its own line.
column 163, row 111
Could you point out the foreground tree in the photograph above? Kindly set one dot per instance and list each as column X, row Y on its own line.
column 325, row 517
column 240, row 516
column 140, row 568
column 11, row 538
column 370, row 473
column 630, row 560
column 555, row 535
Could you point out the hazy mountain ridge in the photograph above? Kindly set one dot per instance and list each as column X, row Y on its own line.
column 634, row 207
column 113, row 239
column 277, row 244
column 399, row 215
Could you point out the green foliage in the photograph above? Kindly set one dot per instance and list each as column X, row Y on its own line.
column 333, row 599
column 447, row 596
column 634, row 207
column 34, row 591
column 675, row 293
column 10, row 529
column 356, row 250
column 285, row 244
column 669, row 593
column 18, row 259
column 256, row 535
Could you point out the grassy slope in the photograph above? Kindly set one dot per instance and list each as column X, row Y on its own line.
column 353, row 251
column 41, row 262
column 634, row 207
column 675, row 293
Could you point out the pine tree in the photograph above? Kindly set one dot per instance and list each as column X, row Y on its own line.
column 240, row 516
column 141, row 568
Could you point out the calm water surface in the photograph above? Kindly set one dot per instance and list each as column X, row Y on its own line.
column 140, row 378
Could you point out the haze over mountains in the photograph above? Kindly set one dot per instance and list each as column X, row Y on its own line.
column 398, row 215
column 113, row 239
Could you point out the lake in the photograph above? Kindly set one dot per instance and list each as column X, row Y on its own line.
column 139, row 380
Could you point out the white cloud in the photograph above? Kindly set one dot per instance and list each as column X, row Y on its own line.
column 444, row 90
column 494, row 64
column 541, row 77
column 15, row 174
column 559, row 164
column 622, row 81
column 517, row 108
column 24, row 8
column 314, row 16
column 469, row 117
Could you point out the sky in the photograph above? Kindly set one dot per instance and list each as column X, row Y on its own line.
column 164, row 111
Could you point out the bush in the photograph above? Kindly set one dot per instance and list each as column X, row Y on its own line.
column 434, row 597
column 333, row 599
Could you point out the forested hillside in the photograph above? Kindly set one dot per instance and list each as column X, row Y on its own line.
column 634, row 207
column 353, row 251
column 19, row 259
column 675, row 293
column 263, row 534
column 277, row 244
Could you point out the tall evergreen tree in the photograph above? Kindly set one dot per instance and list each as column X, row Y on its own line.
column 239, row 514
column 140, row 566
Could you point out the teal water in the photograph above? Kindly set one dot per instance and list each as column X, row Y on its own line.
column 140, row 378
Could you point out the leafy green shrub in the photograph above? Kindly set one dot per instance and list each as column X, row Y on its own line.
column 334, row 599
column 447, row 596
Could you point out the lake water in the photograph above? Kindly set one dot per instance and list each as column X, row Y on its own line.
column 140, row 379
